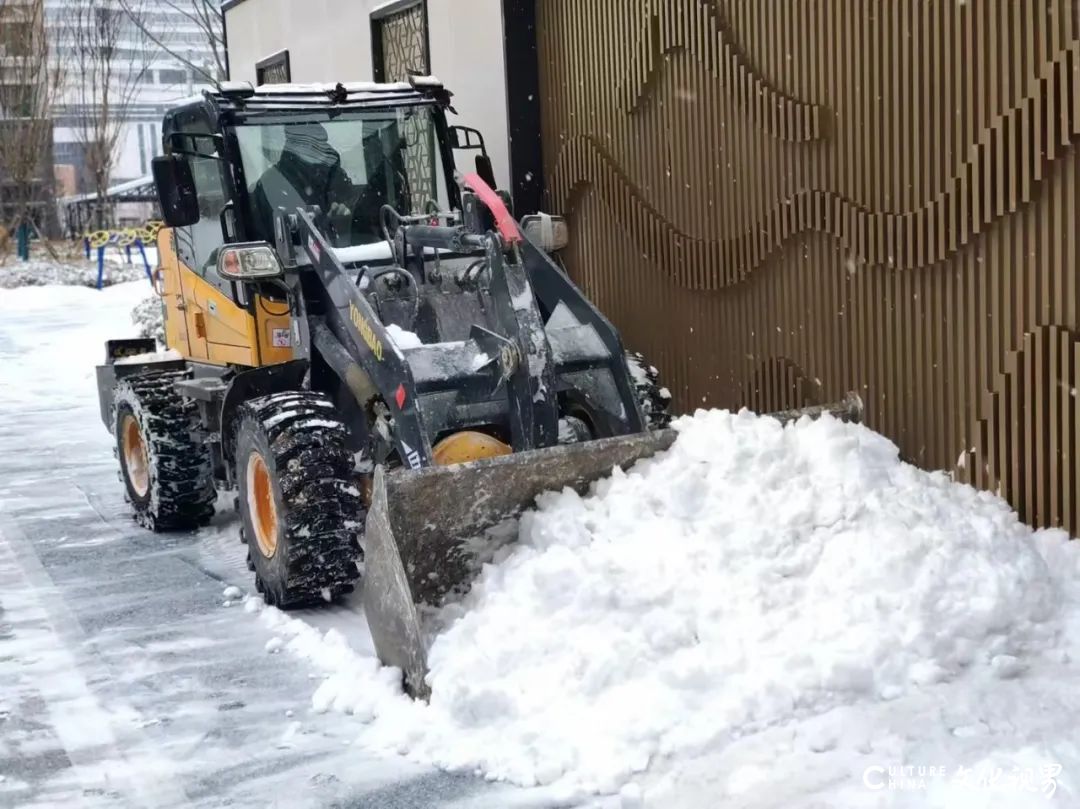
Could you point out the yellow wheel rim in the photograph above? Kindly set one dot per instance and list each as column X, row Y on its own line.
column 468, row 445
column 136, row 461
column 261, row 506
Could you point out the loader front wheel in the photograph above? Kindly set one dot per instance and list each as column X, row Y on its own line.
column 301, row 511
column 166, row 473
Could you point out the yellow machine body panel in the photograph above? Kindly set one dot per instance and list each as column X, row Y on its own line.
column 206, row 325
column 273, row 327
column 176, row 336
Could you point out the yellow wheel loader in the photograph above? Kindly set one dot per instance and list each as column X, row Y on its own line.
column 366, row 346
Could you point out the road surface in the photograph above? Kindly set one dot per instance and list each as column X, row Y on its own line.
column 124, row 681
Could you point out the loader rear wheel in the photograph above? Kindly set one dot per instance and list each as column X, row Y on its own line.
column 166, row 473
column 301, row 511
column 655, row 400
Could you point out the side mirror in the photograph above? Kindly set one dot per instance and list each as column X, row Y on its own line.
column 176, row 190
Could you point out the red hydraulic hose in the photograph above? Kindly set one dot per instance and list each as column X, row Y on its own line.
column 505, row 223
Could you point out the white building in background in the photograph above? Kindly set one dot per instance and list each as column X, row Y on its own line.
column 165, row 80
column 459, row 41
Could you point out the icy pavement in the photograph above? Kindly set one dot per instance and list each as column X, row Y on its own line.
column 124, row 681
column 761, row 618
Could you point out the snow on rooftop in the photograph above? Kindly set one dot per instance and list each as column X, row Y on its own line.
column 234, row 86
column 191, row 99
column 425, row 81
column 760, row 612
column 119, row 188
column 352, row 87
column 131, row 185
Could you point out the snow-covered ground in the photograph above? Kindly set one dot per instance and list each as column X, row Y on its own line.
column 125, row 681
column 44, row 271
column 762, row 617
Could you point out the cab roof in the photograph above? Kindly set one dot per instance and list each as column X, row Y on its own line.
column 242, row 95
column 233, row 100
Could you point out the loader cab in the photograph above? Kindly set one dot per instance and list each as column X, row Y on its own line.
column 349, row 149
column 249, row 153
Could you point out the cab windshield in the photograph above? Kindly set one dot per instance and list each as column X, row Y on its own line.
column 349, row 167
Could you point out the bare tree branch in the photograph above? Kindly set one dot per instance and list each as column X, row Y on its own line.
column 108, row 59
column 29, row 84
column 208, row 20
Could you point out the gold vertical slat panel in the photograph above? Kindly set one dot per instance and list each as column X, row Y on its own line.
column 781, row 200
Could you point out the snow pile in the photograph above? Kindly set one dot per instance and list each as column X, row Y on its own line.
column 43, row 272
column 355, row 683
column 750, row 575
column 149, row 318
column 752, row 578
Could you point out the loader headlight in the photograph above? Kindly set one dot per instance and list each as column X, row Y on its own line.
column 255, row 261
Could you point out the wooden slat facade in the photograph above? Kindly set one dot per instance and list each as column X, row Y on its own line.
column 781, row 200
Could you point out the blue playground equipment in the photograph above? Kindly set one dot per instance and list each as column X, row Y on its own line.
column 22, row 241
column 127, row 238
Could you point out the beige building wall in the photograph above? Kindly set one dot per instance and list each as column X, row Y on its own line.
column 330, row 40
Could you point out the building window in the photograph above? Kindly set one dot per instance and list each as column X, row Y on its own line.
column 274, row 69
column 399, row 41
column 17, row 100
column 170, row 77
column 399, row 48
column 15, row 38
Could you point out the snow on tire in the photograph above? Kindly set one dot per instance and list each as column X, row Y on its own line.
column 300, row 508
column 167, row 475
column 655, row 400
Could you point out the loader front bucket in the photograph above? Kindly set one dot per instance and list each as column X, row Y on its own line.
column 426, row 529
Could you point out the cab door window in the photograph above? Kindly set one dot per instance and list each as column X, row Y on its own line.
column 199, row 243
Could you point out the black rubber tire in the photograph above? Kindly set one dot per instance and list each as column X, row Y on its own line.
column 181, row 493
column 655, row 400
column 319, row 510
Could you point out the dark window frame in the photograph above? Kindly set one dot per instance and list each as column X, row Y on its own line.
column 274, row 60
column 378, row 68
column 523, row 106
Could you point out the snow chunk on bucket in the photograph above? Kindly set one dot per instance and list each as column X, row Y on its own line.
column 403, row 339
column 751, row 574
